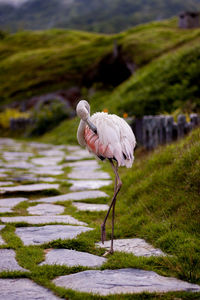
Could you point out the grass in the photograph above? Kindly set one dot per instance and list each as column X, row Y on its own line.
column 159, row 202
column 33, row 63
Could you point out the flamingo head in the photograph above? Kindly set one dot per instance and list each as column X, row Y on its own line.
column 83, row 110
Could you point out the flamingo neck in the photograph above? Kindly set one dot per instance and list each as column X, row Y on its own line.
column 80, row 133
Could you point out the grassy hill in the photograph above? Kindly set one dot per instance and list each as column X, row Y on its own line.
column 32, row 63
column 100, row 16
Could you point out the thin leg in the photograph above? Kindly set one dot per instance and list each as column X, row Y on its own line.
column 118, row 184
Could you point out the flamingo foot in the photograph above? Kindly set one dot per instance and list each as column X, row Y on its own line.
column 103, row 233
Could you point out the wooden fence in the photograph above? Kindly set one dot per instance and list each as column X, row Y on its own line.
column 151, row 131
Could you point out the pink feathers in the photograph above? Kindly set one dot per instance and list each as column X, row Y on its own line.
column 114, row 138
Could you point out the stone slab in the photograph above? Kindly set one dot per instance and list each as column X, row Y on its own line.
column 46, row 161
column 42, row 220
column 79, row 154
column 1, row 240
column 14, row 154
column 24, row 289
column 90, row 207
column 29, row 188
column 6, row 183
column 138, row 247
column 8, row 261
column 83, row 164
column 46, row 210
column 78, row 185
column 48, row 233
column 18, row 165
column 76, row 196
column 72, row 258
column 122, row 281
column 47, row 171
column 52, row 152
column 5, row 210
column 11, row 202
column 88, row 174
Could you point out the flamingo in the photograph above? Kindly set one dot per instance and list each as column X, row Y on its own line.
column 109, row 137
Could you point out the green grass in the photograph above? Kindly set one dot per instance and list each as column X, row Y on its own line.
column 159, row 201
column 32, row 63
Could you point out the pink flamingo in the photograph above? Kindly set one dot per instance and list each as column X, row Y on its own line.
column 108, row 137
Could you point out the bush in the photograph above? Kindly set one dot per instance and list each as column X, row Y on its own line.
column 49, row 116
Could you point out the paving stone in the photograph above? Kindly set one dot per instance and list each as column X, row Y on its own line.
column 46, row 209
column 47, row 171
column 7, row 141
column 72, row 258
column 3, row 175
column 48, row 233
column 90, row 207
column 18, row 165
column 42, row 220
column 29, row 188
column 83, row 164
column 5, row 210
column 76, row 196
column 53, row 152
column 11, row 202
column 21, row 154
column 73, row 148
column 5, row 183
column 8, row 261
column 138, row 247
column 79, row 154
column 78, row 185
column 1, row 240
column 40, row 145
column 122, row 281
column 88, row 174
column 22, row 288
column 46, row 161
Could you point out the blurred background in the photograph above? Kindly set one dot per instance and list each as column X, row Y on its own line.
column 134, row 58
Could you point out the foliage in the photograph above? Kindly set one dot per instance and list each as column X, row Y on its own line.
column 47, row 117
column 11, row 113
column 99, row 16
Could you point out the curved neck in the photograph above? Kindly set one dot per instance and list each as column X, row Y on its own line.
column 80, row 133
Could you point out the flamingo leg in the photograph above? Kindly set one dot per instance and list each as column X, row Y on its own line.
column 118, row 185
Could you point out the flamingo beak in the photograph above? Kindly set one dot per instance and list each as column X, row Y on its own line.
column 91, row 126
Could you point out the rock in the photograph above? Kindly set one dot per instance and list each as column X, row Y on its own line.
column 8, row 261
column 13, row 154
column 77, row 196
column 136, row 246
column 42, row 220
column 88, row 174
column 46, row 161
column 11, row 202
column 46, row 210
column 20, row 288
column 48, row 233
column 18, row 165
column 72, row 258
column 122, row 281
column 53, row 152
column 29, row 188
column 5, row 183
column 5, row 210
column 78, row 185
column 83, row 164
column 47, row 171
column 90, row 207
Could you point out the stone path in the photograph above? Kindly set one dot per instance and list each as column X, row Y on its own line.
column 32, row 168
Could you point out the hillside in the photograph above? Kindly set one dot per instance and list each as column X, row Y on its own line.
column 100, row 16
column 34, row 63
